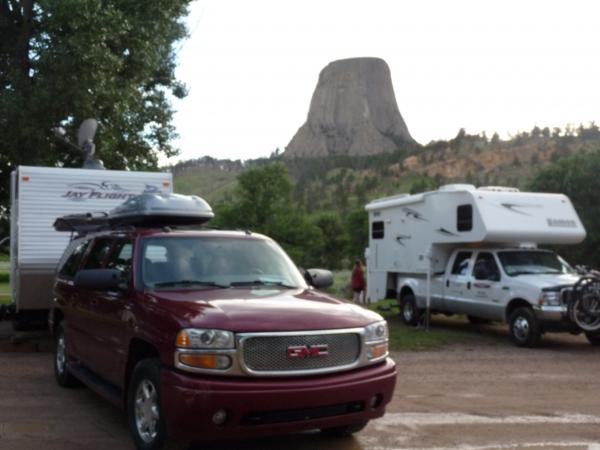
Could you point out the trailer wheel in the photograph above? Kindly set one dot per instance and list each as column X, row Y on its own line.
column 524, row 328
column 593, row 338
column 408, row 310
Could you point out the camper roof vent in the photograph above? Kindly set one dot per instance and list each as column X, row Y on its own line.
column 148, row 209
column 498, row 189
column 457, row 187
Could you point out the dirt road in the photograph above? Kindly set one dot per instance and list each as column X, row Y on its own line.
column 482, row 395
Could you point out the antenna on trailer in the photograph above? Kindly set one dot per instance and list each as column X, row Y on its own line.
column 85, row 141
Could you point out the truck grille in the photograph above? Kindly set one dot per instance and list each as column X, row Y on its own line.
column 270, row 353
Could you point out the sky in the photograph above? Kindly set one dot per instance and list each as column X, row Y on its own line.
column 506, row 66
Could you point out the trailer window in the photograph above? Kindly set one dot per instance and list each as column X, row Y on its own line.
column 461, row 263
column 464, row 218
column 377, row 230
column 69, row 268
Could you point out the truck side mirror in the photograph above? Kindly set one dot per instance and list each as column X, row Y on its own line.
column 319, row 278
column 99, row 279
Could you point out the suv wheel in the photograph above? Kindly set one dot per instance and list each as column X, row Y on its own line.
column 593, row 338
column 344, row 431
column 144, row 411
column 409, row 311
column 61, row 368
column 524, row 327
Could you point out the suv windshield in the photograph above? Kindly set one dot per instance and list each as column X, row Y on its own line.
column 179, row 262
column 524, row 262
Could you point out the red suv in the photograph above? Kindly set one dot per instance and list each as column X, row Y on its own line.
column 212, row 334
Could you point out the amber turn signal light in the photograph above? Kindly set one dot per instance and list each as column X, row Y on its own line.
column 182, row 340
column 378, row 350
column 201, row 361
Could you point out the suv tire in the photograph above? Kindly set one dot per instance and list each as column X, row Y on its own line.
column 144, row 410
column 344, row 431
column 593, row 338
column 61, row 359
column 524, row 327
column 409, row 312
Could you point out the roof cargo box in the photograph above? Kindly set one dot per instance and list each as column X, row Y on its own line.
column 162, row 209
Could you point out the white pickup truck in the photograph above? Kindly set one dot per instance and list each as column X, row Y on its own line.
column 474, row 251
column 527, row 288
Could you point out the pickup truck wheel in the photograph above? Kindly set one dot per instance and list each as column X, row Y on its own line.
column 409, row 311
column 593, row 338
column 144, row 411
column 61, row 368
column 345, row 431
column 524, row 328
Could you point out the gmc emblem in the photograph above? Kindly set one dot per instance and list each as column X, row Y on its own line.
column 307, row 351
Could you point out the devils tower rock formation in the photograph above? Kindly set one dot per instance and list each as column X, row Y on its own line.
column 353, row 111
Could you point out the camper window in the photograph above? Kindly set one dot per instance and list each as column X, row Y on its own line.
column 461, row 263
column 464, row 218
column 377, row 230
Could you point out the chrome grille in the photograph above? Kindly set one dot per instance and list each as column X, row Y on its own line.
column 270, row 353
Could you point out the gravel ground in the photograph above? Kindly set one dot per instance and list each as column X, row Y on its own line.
column 483, row 395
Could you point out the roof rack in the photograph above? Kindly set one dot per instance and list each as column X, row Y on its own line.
column 145, row 210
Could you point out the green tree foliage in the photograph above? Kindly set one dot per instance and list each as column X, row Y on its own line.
column 333, row 251
column 263, row 204
column 577, row 177
column 63, row 61
column 356, row 224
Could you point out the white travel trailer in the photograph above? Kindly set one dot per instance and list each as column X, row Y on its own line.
column 462, row 250
column 41, row 194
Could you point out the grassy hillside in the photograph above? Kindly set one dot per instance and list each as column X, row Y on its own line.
column 341, row 183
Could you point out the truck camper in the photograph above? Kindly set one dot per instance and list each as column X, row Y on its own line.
column 473, row 251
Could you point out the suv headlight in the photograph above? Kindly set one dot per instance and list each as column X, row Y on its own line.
column 376, row 340
column 204, row 350
column 205, row 339
column 550, row 298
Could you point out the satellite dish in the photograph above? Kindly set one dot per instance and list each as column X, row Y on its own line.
column 87, row 131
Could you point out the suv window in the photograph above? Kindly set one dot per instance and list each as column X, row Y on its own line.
column 120, row 258
column 98, row 253
column 461, row 263
column 75, row 252
column 485, row 268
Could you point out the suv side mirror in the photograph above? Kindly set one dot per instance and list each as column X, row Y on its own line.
column 319, row 278
column 99, row 279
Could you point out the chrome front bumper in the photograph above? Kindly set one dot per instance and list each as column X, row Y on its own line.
column 550, row 313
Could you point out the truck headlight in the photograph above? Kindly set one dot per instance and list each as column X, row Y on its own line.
column 195, row 338
column 550, row 298
column 376, row 340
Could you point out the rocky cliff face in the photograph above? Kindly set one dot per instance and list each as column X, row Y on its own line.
column 353, row 111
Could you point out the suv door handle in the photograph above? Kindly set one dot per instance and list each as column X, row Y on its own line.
column 447, row 283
